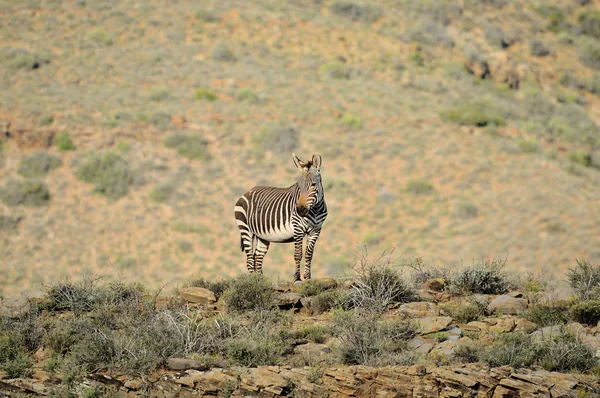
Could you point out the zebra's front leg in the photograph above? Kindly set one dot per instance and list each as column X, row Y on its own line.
column 298, row 239
column 259, row 254
column 310, row 247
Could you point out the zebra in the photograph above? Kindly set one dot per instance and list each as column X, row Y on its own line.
column 267, row 215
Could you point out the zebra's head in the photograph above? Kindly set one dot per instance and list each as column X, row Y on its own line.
column 311, row 187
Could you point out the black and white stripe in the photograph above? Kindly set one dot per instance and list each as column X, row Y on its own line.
column 283, row 215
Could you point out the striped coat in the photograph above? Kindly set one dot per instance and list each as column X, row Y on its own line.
column 267, row 215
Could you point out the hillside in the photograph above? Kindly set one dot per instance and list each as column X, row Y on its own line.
column 477, row 331
column 452, row 131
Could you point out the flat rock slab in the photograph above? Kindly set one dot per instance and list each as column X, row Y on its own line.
column 288, row 300
column 507, row 305
column 198, row 295
column 431, row 324
column 420, row 309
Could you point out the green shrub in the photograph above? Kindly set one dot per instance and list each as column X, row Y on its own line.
column 580, row 157
column 547, row 315
column 465, row 209
column 351, row 121
column 191, row 146
column 527, row 145
column 100, row 36
column 278, row 140
column 584, row 279
column 19, row 366
column 315, row 333
column 417, row 58
column 311, row 288
column 335, row 70
column 63, row 333
column 159, row 93
column 163, row 192
column 465, row 313
column 246, row 94
column 9, row 223
column 377, row 284
column 564, row 352
column 484, row 278
column 109, row 172
column 329, row 300
column 356, row 11
column 249, row 292
column 38, row 164
column 538, row 48
column 222, row 52
column 19, row 58
column 419, row 187
column 30, row 193
column 589, row 52
column 428, row 32
column 205, row 94
column 365, row 340
column 589, row 21
column 256, row 347
column 475, row 113
column 513, row 349
column 586, row 312
column 497, row 37
column 63, row 141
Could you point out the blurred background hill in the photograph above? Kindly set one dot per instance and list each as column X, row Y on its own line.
column 451, row 130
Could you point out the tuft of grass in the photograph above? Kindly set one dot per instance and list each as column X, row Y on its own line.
column 311, row 288
column 527, row 145
column 9, row 223
column 419, row 187
column 19, row 58
column 417, row 58
column 538, row 48
column 100, row 36
column 365, row 340
column 472, row 311
column 247, row 95
column 377, row 284
column 474, row 113
column 589, row 22
column 359, row 12
column 484, row 278
column 315, row 333
column 249, row 292
column 191, row 146
column 336, row 70
column 160, row 93
column 547, row 315
column 257, row 346
column 582, row 158
column 205, row 94
column 465, row 209
column 497, row 37
column 38, row 164
column 162, row 192
column 109, row 172
column 586, row 312
column 278, row 140
column 351, row 121
column 63, row 141
column 29, row 193
column 329, row 300
column 589, row 52
column 584, row 279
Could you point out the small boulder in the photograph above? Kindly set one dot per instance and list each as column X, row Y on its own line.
column 431, row 324
column 288, row 300
column 185, row 364
column 198, row 295
column 507, row 305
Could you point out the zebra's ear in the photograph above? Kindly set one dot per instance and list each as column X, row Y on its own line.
column 299, row 163
column 316, row 161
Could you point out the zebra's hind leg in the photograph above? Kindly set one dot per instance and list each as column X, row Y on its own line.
column 310, row 247
column 259, row 254
column 247, row 246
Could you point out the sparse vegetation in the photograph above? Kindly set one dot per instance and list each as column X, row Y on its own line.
column 278, row 140
column 205, row 94
column 546, row 314
column 486, row 277
column 378, row 284
column 38, row 164
column 109, row 172
column 539, row 48
column 335, row 70
column 191, row 146
column 249, row 292
column 361, row 12
column 329, row 300
column 29, row 193
column 584, row 279
column 63, row 141
column 475, row 113
column 222, row 52
column 351, row 120
column 419, row 187
column 216, row 286
column 587, row 312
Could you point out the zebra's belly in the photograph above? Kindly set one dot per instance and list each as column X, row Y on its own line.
column 278, row 236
